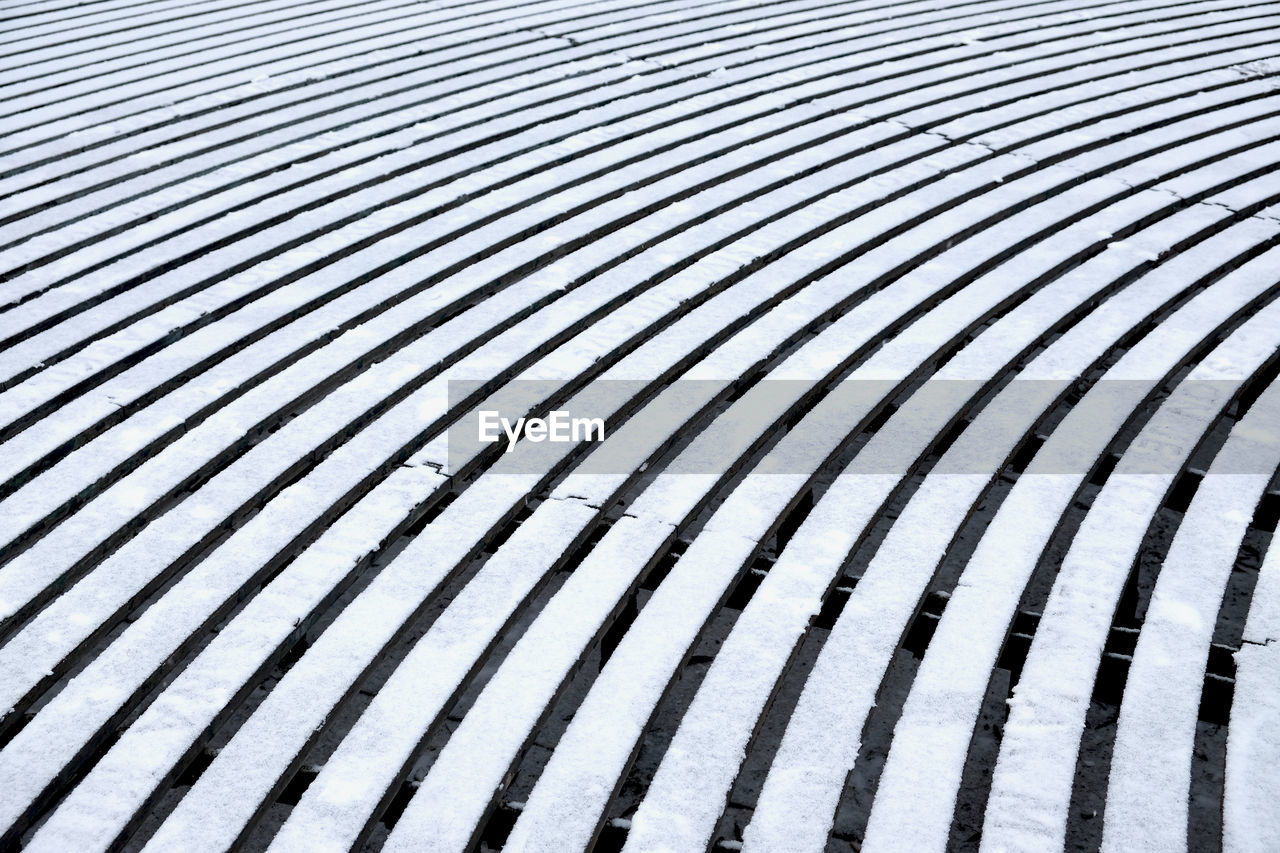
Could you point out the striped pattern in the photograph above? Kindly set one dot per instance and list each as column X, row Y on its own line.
column 248, row 599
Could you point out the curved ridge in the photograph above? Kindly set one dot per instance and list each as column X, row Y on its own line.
column 934, row 349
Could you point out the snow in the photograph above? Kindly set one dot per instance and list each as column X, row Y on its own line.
column 796, row 805
column 1047, row 711
column 250, row 248
column 1150, row 782
column 269, row 530
column 1250, row 821
column 479, row 362
column 597, row 742
column 928, row 754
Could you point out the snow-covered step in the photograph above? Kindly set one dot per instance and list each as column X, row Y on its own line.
column 489, row 599
column 34, row 19
column 1252, row 782
column 54, row 304
column 1149, row 788
column 114, row 217
column 62, row 479
column 771, row 284
column 477, row 20
column 61, row 483
column 454, row 787
column 187, row 41
column 577, row 28
column 689, row 791
column 927, row 755
column 805, row 260
column 1048, row 708
column 800, row 220
column 68, row 90
column 339, row 104
column 689, row 283
column 246, row 250
column 33, row 569
column 33, row 348
column 798, row 800
column 333, row 60
column 274, row 267
column 113, row 395
column 486, row 500
column 151, row 640
column 106, row 118
column 574, row 51
column 96, row 31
